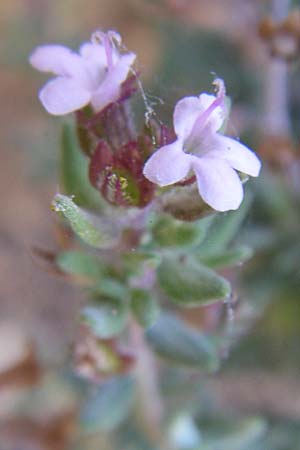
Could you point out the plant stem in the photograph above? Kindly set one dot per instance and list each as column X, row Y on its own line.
column 147, row 377
column 280, row 9
column 146, row 373
column 276, row 113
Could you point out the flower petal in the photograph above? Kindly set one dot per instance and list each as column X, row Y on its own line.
column 95, row 62
column 206, row 124
column 57, row 59
column 237, row 155
column 219, row 185
column 192, row 118
column 217, row 116
column 63, row 95
column 89, row 50
column 109, row 89
column 185, row 114
column 168, row 165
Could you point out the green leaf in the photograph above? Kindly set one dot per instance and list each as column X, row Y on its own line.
column 110, row 288
column 74, row 178
column 234, row 434
column 227, row 258
column 144, row 307
column 107, row 318
column 109, row 405
column 93, row 230
column 188, row 283
column 80, row 263
column 169, row 232
column 224, row 229
column 131, row 437
column 135, row 261
column 108, row 315
column 173, row 340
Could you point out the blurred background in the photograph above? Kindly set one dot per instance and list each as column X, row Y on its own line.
column 181, row 46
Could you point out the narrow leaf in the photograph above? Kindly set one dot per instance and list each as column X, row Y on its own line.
column 145, row 307
column 169, row 232
column 241, row 434
column 111, row 288
column 93, row 230
column 224, row 228
column 173, row 340
column 227, row 258
column 74, row 178
column 79, row 263
column 189, row 283
column 107, row 318
column 109, row 405
column 136, row 261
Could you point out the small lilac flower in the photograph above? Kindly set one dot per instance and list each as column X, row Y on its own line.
column 94, row 75
column 200, row 148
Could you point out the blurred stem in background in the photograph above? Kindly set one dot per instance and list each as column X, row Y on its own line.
column 276, row 112
column 151, row 407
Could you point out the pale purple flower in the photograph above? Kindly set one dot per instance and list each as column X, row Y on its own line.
column 93, row 75
column 200, row 148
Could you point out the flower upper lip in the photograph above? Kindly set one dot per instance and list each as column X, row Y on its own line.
column 211, row 156
column 94, row 75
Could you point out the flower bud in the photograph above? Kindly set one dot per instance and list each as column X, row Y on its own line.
column 184, row 203
column 119, row 175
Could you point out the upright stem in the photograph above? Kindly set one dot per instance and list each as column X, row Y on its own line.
column 146, row 373
column 276, row 114
column 152, row 410
column 280, row 9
